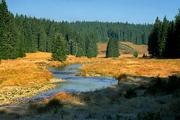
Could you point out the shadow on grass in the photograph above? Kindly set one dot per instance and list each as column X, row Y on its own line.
column 138, row 98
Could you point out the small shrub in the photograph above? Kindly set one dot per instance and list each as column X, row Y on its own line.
column 156, row 86
column 53, row 104
column 42, row 109
column 144, row 55
column 121, row 78
column 130, row 93
column 135, row 54
column 149, row 116
column 173, row 84
column 118, row 117
column 159, row 85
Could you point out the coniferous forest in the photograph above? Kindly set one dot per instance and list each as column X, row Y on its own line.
column 22, row 34
column 164, row 40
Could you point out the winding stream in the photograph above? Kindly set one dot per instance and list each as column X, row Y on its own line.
column 74, row 83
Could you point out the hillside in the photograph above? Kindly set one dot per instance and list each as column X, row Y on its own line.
column 125, row 48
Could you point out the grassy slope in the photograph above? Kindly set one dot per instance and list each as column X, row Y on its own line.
column 125, row 48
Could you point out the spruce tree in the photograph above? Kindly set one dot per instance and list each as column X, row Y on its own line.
column 163, row 37
column 177, row 36
column 42, row 38
column 170, row 49
column 112, row 48
column 91, row 47
column 154, row 39
column 50, row 37
column 8, row 34
column 59, row 48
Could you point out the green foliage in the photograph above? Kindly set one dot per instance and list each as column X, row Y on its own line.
column 91, row 47
column 53, row 104
column 177, row 36
column 164, row 40
column 130, row 93
column 112, row 49
column 42, row 39
column 120, row 31
column 159, row 86
column 154, row 38
column 59, row 49
column 8, row 34
column 135, row 54
column 149, row 116
column 22, row 34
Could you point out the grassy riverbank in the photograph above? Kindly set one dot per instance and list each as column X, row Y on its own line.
column 133, row 66
column 137, row 96
column 25, row 77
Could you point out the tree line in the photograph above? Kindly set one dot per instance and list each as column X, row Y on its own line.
column 164, row 39
column 135, row 33
column 21, row 34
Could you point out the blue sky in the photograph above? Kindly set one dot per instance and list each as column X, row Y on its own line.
column 133, row 11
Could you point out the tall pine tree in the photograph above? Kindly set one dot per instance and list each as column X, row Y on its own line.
column 8, row 34
column 91, row 46
column 177, row 36
column 163, row 37
column 154, row 39
column 59, row 48
column 112, row 48
column 170, row 49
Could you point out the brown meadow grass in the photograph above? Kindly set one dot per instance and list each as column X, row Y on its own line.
column 25, row 77
column 141, row 49
column 134, row 67
column 66, row 98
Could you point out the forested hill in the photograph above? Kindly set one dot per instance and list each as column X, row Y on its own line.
column 136, row 33
column 21, row 34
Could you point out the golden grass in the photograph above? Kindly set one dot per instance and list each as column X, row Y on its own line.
column 102, row 49
column 32, row 68
column 133, row 66
column 22, row 73
column 65, row 97
column 25, row 77
column 139, row 48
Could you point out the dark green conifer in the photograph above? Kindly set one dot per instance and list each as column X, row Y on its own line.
column 59, row 48
column 177, row 36
column 112, row 48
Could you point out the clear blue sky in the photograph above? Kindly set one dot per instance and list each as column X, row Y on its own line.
column 133, row 11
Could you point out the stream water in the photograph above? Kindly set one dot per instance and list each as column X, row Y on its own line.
column 74, row 83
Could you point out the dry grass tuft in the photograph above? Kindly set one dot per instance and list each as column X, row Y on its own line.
column 65, row 97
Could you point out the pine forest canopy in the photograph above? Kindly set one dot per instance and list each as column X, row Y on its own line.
column 21, row 34
column 164, row 40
